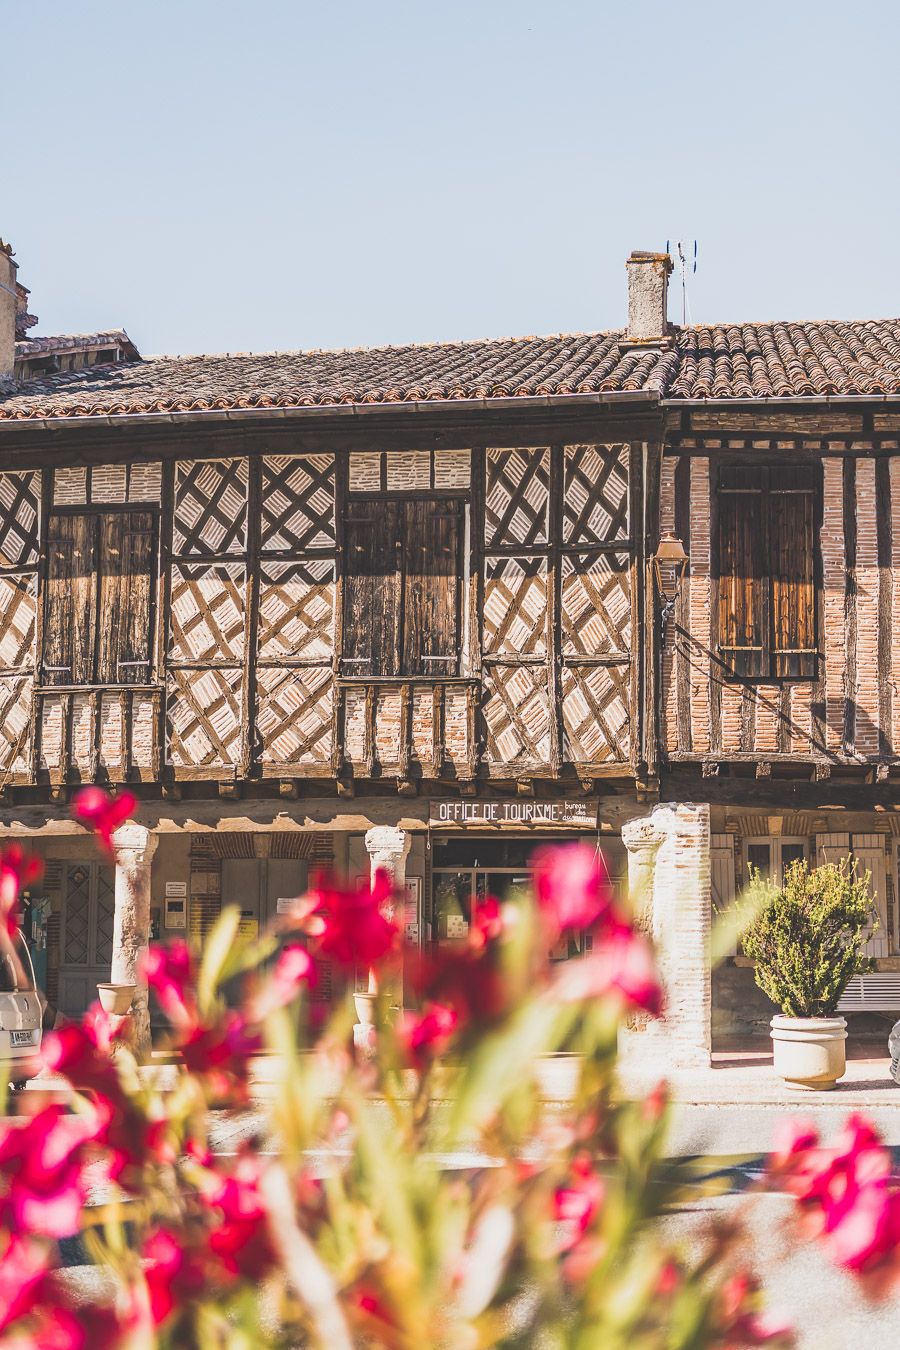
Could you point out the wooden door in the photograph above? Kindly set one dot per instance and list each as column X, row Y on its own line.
column 86, row 934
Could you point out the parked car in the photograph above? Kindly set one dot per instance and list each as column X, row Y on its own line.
column 20, row 1010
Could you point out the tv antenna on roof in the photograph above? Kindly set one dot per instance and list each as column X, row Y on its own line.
column 683, row 265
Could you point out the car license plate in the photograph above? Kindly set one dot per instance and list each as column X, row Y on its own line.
column 21, row 1038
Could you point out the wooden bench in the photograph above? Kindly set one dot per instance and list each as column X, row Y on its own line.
column 877, row 992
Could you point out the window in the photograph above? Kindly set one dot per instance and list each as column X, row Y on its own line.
column 402, row 587
column 98, row 603
column 772, row 856
column 766, row 571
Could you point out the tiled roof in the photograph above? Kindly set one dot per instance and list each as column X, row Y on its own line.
column 772, row 360
column 75, row 342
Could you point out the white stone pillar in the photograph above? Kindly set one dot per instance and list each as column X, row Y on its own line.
column 388, row 848
column 134, row 846
column 674, row 843
column 642, row 840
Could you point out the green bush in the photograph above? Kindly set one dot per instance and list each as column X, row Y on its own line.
column 808, row 938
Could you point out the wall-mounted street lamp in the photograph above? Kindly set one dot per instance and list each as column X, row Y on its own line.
column 669, row 561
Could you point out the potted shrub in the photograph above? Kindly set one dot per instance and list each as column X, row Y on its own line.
column 807, row 940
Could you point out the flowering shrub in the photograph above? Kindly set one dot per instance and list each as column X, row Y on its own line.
column 414, row 1192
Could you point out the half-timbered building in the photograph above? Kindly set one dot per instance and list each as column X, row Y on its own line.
column 408, row 606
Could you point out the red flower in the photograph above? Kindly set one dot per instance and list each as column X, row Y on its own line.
column 293, row 969
column 23, row 1269
column 426, row 1034
column 487, row 923
column 103, row 813
column 18, row 870
column 350, row 924
column 42, row 1163
column 175, row 1275
column 621, row 967
column 81, row 1051
column 844, row 1192
column 577, row 1204
column 171, row 974
column 572, row 886
column 241, row 1242
column 464, row 979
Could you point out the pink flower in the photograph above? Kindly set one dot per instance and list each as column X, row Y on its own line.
column 577, row 1204
column 845, row 1192
column 103, row 813
column 18, row 871
column 620, row 967
column 42, row 1162
column 293, row 969
column 170, row 972
column 23, row 1269
column 487, row 924
column 571, row 886
column 81, row 1051
column 426, row 1034
column 174, row 1274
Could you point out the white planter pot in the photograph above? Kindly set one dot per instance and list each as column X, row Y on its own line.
column 116, row 998
column 366, row 1008
column 810, row 1052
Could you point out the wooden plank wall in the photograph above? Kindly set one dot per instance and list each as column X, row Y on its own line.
column 852, row 711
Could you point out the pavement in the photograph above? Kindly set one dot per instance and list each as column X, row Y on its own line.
column 722, row 1119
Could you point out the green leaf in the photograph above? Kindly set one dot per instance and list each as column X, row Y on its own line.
column 219, row 944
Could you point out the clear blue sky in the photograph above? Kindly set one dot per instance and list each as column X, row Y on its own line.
column 219, row 176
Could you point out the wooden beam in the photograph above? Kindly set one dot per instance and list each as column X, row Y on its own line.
column 850, row 604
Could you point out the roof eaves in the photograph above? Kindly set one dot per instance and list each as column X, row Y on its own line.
column 644, row 398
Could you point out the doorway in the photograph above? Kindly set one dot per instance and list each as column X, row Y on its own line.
column 257, row 884
column 86, row 936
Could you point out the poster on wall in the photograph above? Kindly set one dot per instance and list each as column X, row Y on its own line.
column 412, row 909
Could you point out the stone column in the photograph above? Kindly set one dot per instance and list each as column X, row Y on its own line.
column 388, row 848
column 134, row 846
column 673, row 844
column 642, row 840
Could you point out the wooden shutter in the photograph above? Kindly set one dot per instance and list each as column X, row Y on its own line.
column 868, row 850
column 791, row 518
column 742, row 624
column 431, row 587
column 70, row 614
column 372, row 589
column 126, row 564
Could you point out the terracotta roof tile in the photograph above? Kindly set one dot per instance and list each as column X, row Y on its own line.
column 755, row 360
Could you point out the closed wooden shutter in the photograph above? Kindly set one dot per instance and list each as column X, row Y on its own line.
column 431, row 588
column 868, row 850
column 742, row 536
column 372, row 599
column 791, row 545
column 126, row 564
column 70, row 615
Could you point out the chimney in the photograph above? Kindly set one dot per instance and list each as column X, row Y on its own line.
column 8, row 305
column 648, row 296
